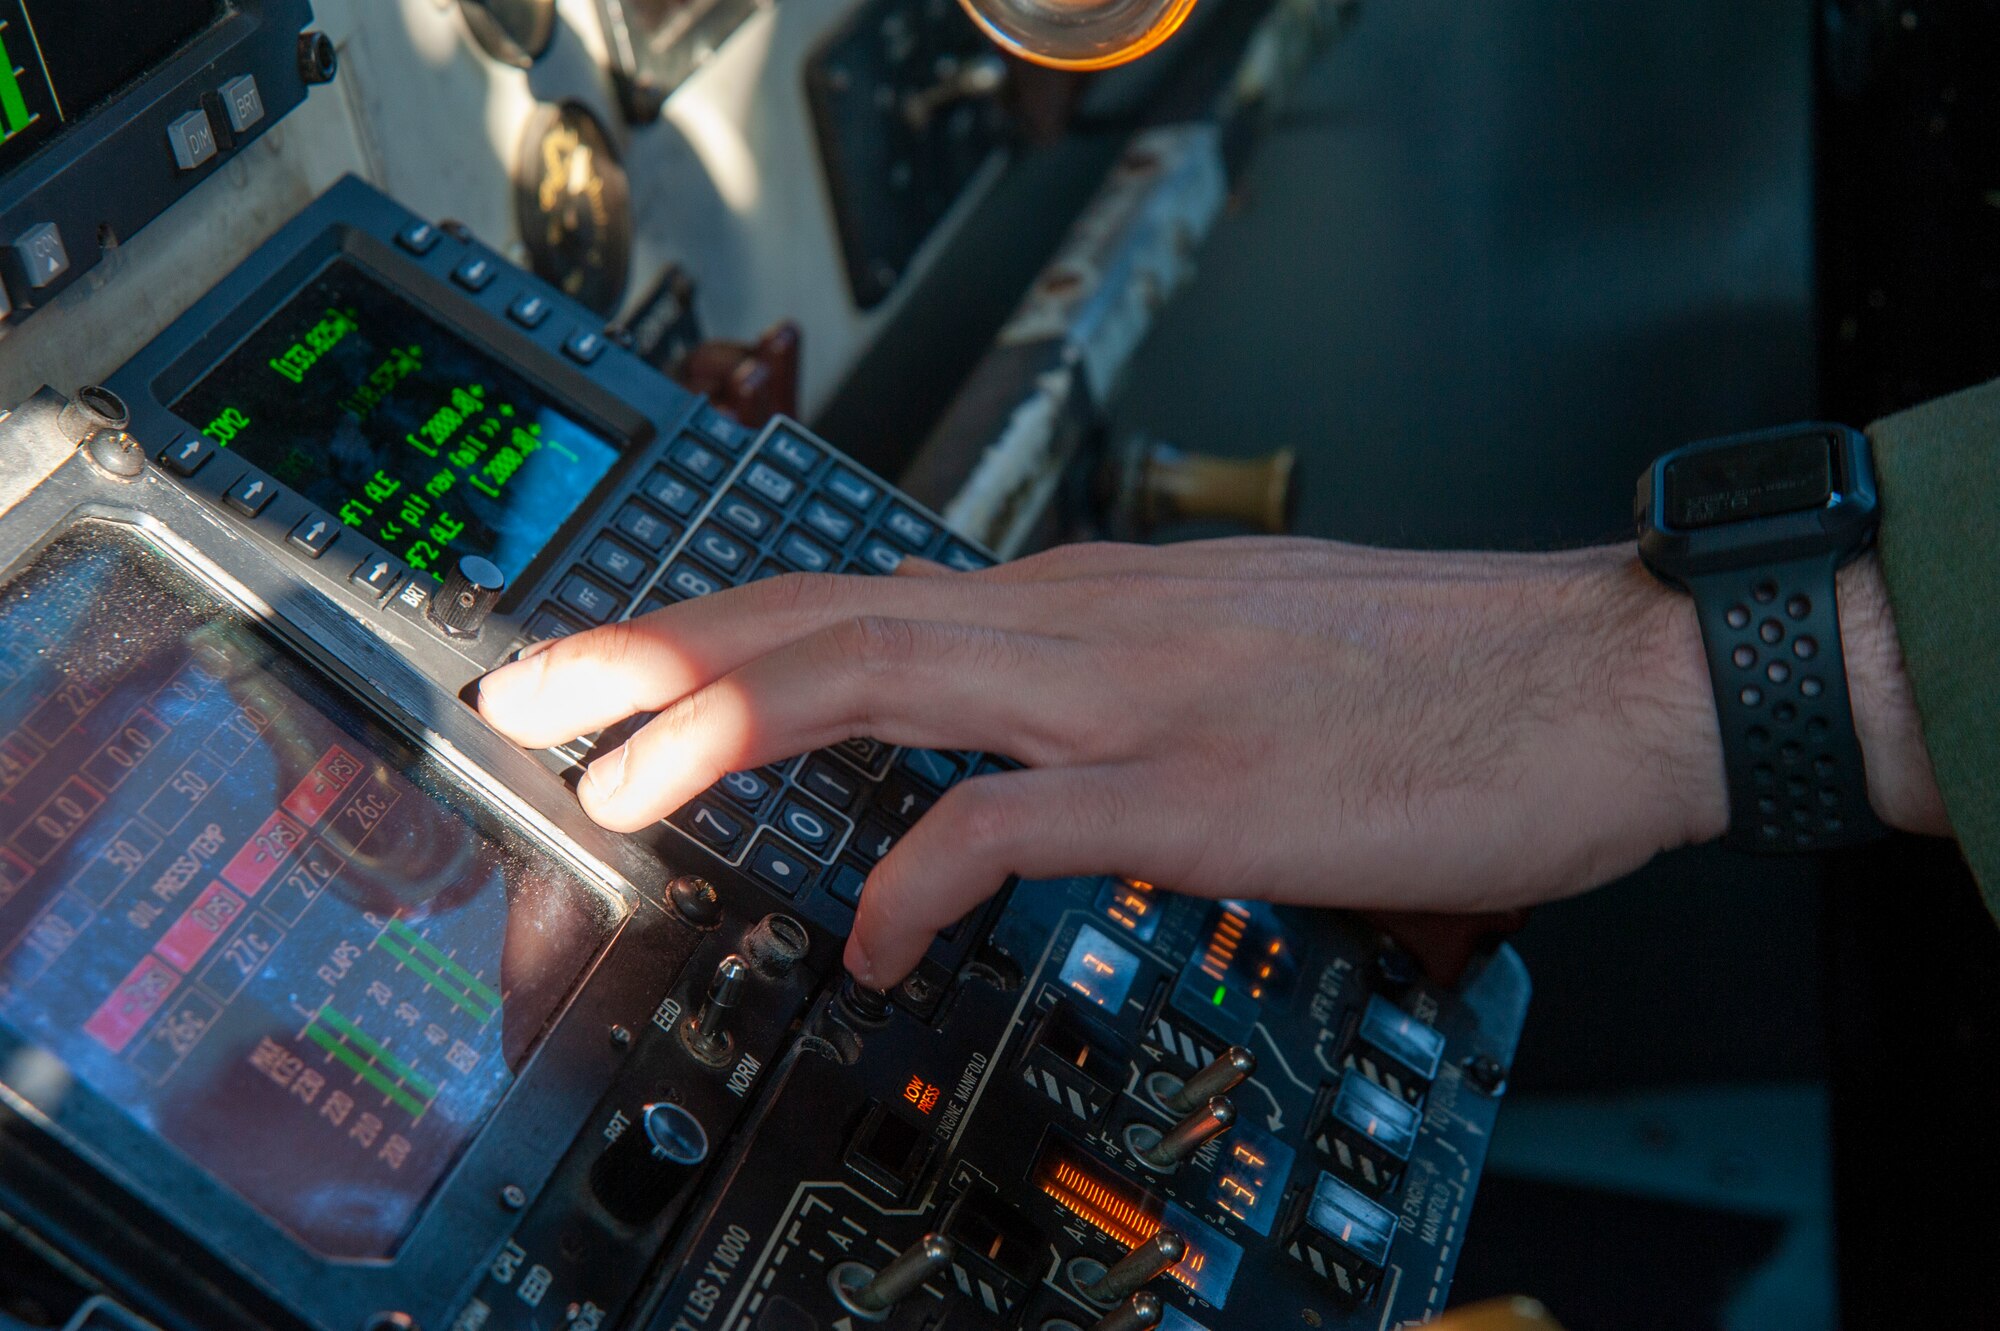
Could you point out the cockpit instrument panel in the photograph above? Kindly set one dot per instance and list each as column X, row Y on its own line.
column 109, row 112
column 325, row 1008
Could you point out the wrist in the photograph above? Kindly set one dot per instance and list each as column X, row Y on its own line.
column 1677, row 724
column 1686, row 739
column 1901, row 785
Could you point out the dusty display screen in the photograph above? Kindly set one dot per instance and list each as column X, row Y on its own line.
column 290, row 945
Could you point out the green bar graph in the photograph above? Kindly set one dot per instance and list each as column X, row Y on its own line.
column 370, row 1061
column 483, row 994
column 13, row 106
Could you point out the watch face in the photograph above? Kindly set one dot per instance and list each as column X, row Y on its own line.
column 1757, row 479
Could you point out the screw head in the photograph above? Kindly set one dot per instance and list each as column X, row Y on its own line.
column 695, row 901
column 1485, row 1072
column 513, row 1197
column 621, row 1038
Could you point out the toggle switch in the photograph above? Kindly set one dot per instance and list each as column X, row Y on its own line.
column 1235, row 1066
column 1141, row 1312
column 1145, row 1263
column 1184, row 1138
column 706, row 1034
column 871, row 1294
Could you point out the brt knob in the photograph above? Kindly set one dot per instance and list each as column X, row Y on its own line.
column 470, row 589
column 638, row 1173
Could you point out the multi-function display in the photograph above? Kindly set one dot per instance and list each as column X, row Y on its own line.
column 427, row 445
column 238, row 907
column 60, row 58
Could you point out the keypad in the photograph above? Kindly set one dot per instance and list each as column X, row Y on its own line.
column 781, row 866
column 828, row 522
column 878, row 556
column 698, row 460
column 851, row 490
column 618, row 562
column 687, row 580
column 745, row 517
column 592, row 602
column 723, row 512
column 906, row 528
column 815, row 828
column 671, row 493
column 788, row 450
column 646, row 527
column 803, row 555
column 719, row 550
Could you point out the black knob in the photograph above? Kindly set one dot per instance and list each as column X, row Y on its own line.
column 638, row 1173
column 467, row 597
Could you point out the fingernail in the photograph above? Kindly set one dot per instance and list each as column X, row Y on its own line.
column 858, row 965
column 500, row 688
column 535, row 649
column 606, row 776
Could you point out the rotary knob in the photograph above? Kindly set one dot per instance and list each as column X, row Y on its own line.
column 467, row 597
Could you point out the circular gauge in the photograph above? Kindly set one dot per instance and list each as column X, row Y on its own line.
column 573, row 205
column 514, row 32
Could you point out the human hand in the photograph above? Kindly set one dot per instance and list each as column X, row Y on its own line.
column 1295, row 720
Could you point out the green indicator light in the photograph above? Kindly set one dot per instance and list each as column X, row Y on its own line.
column 13, row 106
column 1221, row 992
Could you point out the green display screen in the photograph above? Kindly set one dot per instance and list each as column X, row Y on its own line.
column 425, row 444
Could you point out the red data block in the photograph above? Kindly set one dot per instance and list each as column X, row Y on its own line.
column 312, row 797
column 132, row 1004
column 207, row 917
column 251, row 867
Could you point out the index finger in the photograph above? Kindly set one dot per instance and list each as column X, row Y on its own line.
column 571, row 686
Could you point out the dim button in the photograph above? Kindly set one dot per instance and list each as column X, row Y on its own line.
column 193, row 140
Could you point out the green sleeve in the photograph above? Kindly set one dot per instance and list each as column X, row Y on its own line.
column 1938, row 467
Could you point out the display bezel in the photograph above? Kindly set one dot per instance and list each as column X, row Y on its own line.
column 166, row 1201
column 567, row 388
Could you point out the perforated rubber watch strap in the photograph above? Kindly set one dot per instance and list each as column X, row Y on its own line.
column 1796, row 781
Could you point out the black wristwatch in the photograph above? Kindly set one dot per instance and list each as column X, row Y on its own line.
column 1754, row 527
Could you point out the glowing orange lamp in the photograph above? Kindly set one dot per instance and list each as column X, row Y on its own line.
column 1078, row 34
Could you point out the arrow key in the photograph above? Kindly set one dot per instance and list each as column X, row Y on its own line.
column 315, row 532
column 249, row 495
column 184, row 456
column 375, row 575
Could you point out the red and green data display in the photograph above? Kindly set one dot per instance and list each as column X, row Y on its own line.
column 406, row 432
column 290, row 946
